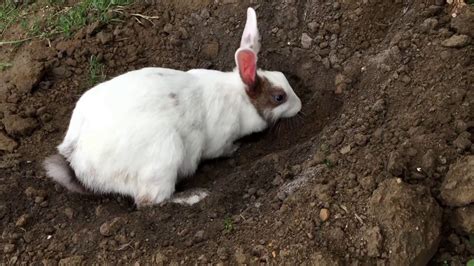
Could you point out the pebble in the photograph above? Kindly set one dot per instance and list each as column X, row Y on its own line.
column 7, row 144
column 456, row 41
column 360, row 139
column 199, row 236
column 463, row 219
column 318, row 158
column 324, row 214
column 111, row 227
column 69, row 213
column 462, row 142
column 22, row 220
column 306, row 41
column 74, row 260
column 222, row 253
column 210, row 50
column 313, row 27
column 8, row 248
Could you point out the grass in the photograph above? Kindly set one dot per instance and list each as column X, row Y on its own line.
column 4, row 66
column 59, row 19
column 8, row 15
column 328, row 163
column 96, row 71
column 228, row 225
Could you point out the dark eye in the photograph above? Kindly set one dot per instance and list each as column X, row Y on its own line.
column 279, row 98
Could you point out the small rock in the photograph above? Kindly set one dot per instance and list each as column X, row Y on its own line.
column 367, row 182
column 336, row 138
column 240, row 256
column 346, row 149
column 429, row 24
column 168, row 28
column 104, row 37
column 17, row 126
column 61, row 72
column 379, row 106
column 320, row 258
column 462, row 142
column 463, row 219
column 199, row 236
column 460, row 126
column 374, row 241
column 458, row 185
column 111, row 227
column 313, row 27
column 160, row 259
column 258, row 250
column 464, row 21
column 7, row 144
column 22, row 220
column 210, row 50
column 324, row 214
column 395, row 164
column 93, row 28
column 456, row 41
column 360, row 139
column 74, row 260
column 222, row 253
column 8, row 248
column 306, row 41
column 49, row 262
column 318, row 158
column 69, row 213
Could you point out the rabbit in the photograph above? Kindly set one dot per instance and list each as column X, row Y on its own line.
column 139, row 133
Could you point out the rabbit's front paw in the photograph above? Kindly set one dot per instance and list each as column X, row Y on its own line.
column 190, row 197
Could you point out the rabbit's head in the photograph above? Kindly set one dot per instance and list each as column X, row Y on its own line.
column 269, row 91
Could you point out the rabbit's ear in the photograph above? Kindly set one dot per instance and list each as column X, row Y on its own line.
column 251, row 36
column 246, row 60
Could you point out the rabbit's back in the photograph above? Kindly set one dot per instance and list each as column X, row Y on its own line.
column 135, row 125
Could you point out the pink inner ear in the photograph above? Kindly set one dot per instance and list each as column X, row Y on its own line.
column 247, row 63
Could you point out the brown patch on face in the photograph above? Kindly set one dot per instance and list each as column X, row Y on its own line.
column 264, row 96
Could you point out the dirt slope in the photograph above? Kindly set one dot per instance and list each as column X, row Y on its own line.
column 378, row 171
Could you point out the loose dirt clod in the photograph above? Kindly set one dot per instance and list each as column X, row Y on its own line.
column 324, row 214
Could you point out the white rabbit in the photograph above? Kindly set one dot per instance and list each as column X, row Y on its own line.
column 137, row 133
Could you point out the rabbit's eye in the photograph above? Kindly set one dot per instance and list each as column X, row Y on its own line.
column 279, row 97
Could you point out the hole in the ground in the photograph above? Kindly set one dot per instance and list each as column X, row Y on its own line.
column 319, row 106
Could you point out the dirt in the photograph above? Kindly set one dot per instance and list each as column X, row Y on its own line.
column 378, row 170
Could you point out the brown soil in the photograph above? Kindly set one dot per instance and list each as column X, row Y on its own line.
column 363, row 178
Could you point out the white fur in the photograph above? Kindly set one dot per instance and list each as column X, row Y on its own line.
column 136, row 134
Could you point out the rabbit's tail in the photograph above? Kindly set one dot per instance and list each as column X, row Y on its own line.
column 58, row 168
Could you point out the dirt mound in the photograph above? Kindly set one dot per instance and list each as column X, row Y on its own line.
column 366, row 176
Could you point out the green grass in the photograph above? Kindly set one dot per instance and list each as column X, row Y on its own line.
column 8, row 15
column 470, row 262
column 228, row 225
column 4, row 66
column 86, row 12
column 328, row 163
column 96, row 71
column 59, row 19
column 471, row 2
